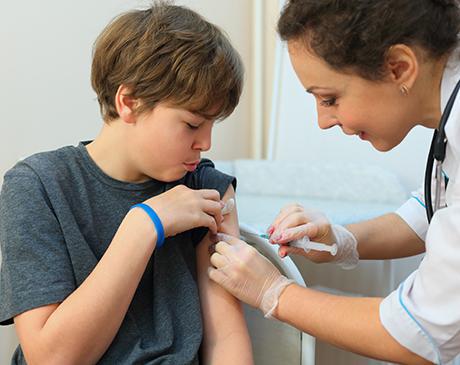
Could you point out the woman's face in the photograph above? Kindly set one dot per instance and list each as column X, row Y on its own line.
column 375, row 111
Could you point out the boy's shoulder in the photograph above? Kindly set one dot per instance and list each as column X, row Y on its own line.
column 205, row 169
column 45, row 164
column 205, row 163
column 206, row 176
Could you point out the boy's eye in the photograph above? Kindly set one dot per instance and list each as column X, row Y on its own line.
column 328, row 102
column 191, row 126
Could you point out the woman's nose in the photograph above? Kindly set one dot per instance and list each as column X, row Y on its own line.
column 326, row 121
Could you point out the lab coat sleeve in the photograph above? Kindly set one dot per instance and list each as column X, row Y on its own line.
column 414, row 214
column 423, row 314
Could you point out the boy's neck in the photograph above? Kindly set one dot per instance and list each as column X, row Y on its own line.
column 111, row 155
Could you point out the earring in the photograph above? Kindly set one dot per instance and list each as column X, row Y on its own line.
column 404, row 89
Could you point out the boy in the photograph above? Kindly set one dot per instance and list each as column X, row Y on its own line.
column 86, row 276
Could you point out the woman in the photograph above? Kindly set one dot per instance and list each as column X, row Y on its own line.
column 377, row 69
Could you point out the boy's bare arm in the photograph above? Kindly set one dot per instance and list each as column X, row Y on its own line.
column 226, row 338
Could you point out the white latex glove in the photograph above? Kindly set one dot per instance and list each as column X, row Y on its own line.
column 245, row 273
column 295, row 222
column 347, row 247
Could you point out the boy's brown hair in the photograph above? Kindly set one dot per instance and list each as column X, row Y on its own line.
column 167, row 53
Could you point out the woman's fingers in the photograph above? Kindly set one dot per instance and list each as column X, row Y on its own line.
column 301, row 223
column 294, row 219
column 284, row 212
column 290, row 234
column 284, row 251
column 221, row 247
column 217, row 276
column 228, row 239
column 218, row 261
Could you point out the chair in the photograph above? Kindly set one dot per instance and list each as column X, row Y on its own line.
column 276, row 343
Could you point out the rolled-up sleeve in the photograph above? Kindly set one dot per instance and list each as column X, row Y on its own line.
column 414, row 214
column 423, row 314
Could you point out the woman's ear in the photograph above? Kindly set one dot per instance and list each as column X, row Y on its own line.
column 125, row 104
column 402, row 65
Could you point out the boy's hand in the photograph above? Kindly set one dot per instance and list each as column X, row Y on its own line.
column 182, row 208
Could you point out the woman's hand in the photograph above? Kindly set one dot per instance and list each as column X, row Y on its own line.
column 294, row 222
column 245, row 273
column 182, row 208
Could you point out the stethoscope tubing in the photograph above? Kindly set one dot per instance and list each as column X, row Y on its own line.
column 438, row 152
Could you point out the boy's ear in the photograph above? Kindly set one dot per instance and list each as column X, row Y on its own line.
column 402, row 65
column 125, row 104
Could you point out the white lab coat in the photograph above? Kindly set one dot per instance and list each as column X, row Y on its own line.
column 423, row 314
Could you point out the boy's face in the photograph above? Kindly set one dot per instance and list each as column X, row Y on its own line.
column 167, row 142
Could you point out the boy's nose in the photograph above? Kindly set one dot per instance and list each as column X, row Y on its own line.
column 203, row 141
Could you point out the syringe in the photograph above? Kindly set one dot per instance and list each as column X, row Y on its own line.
column 303, row 243
column 308, row 245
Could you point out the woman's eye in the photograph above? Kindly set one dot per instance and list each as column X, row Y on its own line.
column 328, row 102
column 191, row 126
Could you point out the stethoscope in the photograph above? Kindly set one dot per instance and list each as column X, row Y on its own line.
column 438, row 153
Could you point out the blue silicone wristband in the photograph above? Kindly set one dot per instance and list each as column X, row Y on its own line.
column 156, row 221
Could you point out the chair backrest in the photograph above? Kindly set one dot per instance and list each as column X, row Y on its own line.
column 275, row 342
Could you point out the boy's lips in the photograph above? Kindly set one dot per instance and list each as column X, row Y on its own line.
column 191, row 166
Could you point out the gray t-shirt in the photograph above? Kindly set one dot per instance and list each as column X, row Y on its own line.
column 58, row 214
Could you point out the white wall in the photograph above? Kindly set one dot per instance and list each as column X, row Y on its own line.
column 46, row 100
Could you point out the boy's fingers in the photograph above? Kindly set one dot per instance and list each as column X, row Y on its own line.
column 211, row 206
column 210, row 222
column 210, row 194
column 214, row 209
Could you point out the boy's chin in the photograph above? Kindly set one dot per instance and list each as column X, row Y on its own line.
column 171, row 176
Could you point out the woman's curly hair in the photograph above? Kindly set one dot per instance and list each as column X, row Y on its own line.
column 355, row 35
